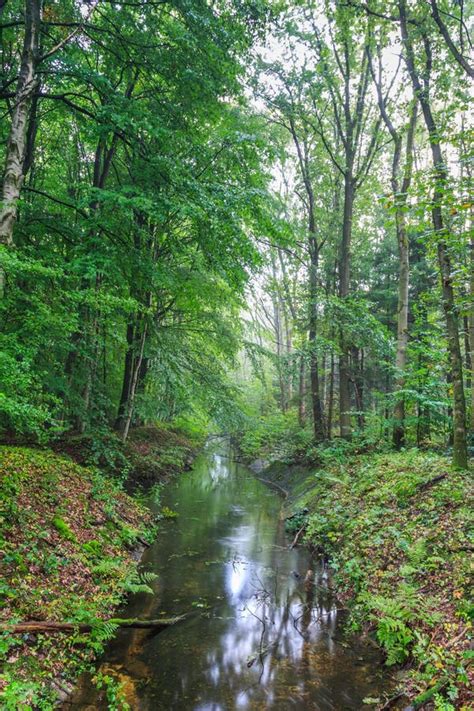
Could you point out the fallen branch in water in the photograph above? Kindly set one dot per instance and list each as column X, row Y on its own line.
column 40, row 626
column 391, row 701
column 297, row 537
column 274, row 485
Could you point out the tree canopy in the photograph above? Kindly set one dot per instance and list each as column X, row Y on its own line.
column 198, row 194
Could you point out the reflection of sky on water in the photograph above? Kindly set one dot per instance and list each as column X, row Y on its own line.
column 256, row 637
column 272, row 615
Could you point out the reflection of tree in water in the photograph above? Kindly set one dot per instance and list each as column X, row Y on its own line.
column 277, row 618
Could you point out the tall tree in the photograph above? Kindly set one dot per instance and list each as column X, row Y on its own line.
column 421, row 87
column 344, row 73
column 17, row 140
column 400, row 183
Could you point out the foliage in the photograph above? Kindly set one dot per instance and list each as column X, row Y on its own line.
column 277, row 436
column 137, row 229
column 113, row 692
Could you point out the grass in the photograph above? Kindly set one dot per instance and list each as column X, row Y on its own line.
column 395, row 526
column 67, row 535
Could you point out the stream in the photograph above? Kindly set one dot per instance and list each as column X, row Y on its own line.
column 257, row 637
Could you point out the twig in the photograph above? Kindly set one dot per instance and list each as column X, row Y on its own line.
column 297, row 537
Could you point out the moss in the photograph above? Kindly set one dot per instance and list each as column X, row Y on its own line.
column 61, row 526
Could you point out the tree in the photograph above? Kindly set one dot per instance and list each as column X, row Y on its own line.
column 441, row 179
column 16, row 147
column 400, row 198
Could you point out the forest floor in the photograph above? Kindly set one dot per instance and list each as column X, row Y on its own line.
column 70, row 541
column 395, row 528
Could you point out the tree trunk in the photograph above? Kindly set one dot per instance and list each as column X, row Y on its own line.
column 289, row 350
column 317, row 405
column 278, row 331
column 344, row 280
column 302, row 393
column 40, row 626
column 330, row 406
column 402, row 329
column 471, row 326
column 423, row 426
column 127, row 379
column 358, row 380
column 16, row 147
column 133, row 386
column 400, row 197
column 444, row 260
column 290, row 318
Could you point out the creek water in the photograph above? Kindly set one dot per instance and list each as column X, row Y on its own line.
column 257, row 636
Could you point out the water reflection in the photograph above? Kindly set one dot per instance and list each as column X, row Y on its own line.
column 259, row 636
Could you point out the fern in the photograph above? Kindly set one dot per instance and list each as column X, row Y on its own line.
column 147, row 576
column 393, row 617
column 110, row 568
column 103, row 630
column 139, row 582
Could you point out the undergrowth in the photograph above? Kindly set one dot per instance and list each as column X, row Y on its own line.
column 396, row 529
column 66, row 540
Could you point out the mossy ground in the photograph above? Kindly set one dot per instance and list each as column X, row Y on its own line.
column 67, row 536
column 395, row 526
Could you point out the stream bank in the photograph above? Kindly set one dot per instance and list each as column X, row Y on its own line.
column 71, row 539
column 395, row 529
column 70, row 543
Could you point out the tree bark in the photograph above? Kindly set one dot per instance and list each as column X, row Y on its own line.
column 302, row 393
column 290, row 319
column 403, row 283
column 133, row 386
column 330, row 405
column 318, row 410
column 471, row 327
column 400, row 197
column 313, row 249
column 127, row 378
column 462, row 61
column 278, row 331
column 16, row 147
column 358, row 380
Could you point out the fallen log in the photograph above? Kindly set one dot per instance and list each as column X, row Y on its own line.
column 426, row 696
column 431, row 482
column 42, row 626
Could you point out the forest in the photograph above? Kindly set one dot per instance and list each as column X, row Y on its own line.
column 249, row 218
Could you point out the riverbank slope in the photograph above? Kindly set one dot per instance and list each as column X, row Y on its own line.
column 70, row 543
column 394, row 526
